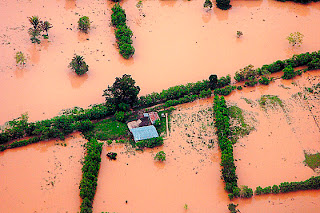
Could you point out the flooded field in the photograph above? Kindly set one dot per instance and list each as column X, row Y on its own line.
column 190, row 175
column 176, row 42
column 42, row 177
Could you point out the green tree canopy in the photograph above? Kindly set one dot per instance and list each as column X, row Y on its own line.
column 123, row 91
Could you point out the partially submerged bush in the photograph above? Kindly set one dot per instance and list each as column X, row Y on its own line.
column 223, row 4
column 207, row 4
column 79, row 65
column 38, row 26
column 20, row 58
column 112, row 155
column 150, row 143
column 160, row 156
column 239, row 34
column 264, row 80
column 295, row 38
column 288, row 73
column 84, row 24
column 245, row 73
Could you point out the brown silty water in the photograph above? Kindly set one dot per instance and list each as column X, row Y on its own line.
column 42, row 177
column 176, row 42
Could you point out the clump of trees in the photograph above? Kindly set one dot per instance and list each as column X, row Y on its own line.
column 223, row 4
column 84, row 24
column 78, row 65
column 123, row 32
column 37, row 28
column 160, row 156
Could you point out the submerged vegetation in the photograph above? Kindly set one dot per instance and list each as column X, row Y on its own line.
column 84, row 24
column 38, row 26
column 160, row 156
column 20, row 58
column 312, row 160
column 78, row 65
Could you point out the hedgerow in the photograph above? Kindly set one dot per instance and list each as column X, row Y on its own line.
column 90, row 170
column 122, row 32
column 222, row 123
column 150, row 143
column 311, row 183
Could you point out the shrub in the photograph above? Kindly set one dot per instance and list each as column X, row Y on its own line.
column 295, row 38
column 239, row 34
column 245, row 73
column 150, row 143
column 160, row 156
column 223, row 4
column 126, row 50
column 224, row 81
column 275, row 189
column 119, row 115
column 84, row 24
column 38, row 26
column 258, row 190
column 112, row 155
column 224, row 91
column 205, row 93
column 207, row 4
column 239, row 87
column 264, row 80
column 314, row 64
column 288, row 73
column 20, row 58
column 246, row 192
column 251, row 81
column 78, row 65
column 233, row 208
column 213, row 80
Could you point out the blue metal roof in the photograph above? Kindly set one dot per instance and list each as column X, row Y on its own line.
column 145, row 132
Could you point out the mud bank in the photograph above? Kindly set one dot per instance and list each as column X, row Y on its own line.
column 176, row 42
column 42, row 177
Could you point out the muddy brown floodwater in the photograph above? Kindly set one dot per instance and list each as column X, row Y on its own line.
column 42, row 177
column 176, row 42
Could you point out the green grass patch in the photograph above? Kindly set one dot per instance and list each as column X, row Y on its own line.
column 312, row 160
column 110, row 129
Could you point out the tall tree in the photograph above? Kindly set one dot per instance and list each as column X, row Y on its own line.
column 123, row 91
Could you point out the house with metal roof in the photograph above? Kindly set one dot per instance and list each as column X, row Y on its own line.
column 143, row 133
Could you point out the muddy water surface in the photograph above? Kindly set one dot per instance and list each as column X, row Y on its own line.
column 176, row 42
column 42, row 177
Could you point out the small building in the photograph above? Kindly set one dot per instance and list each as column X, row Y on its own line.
column 143, row 133
column 153, row 116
